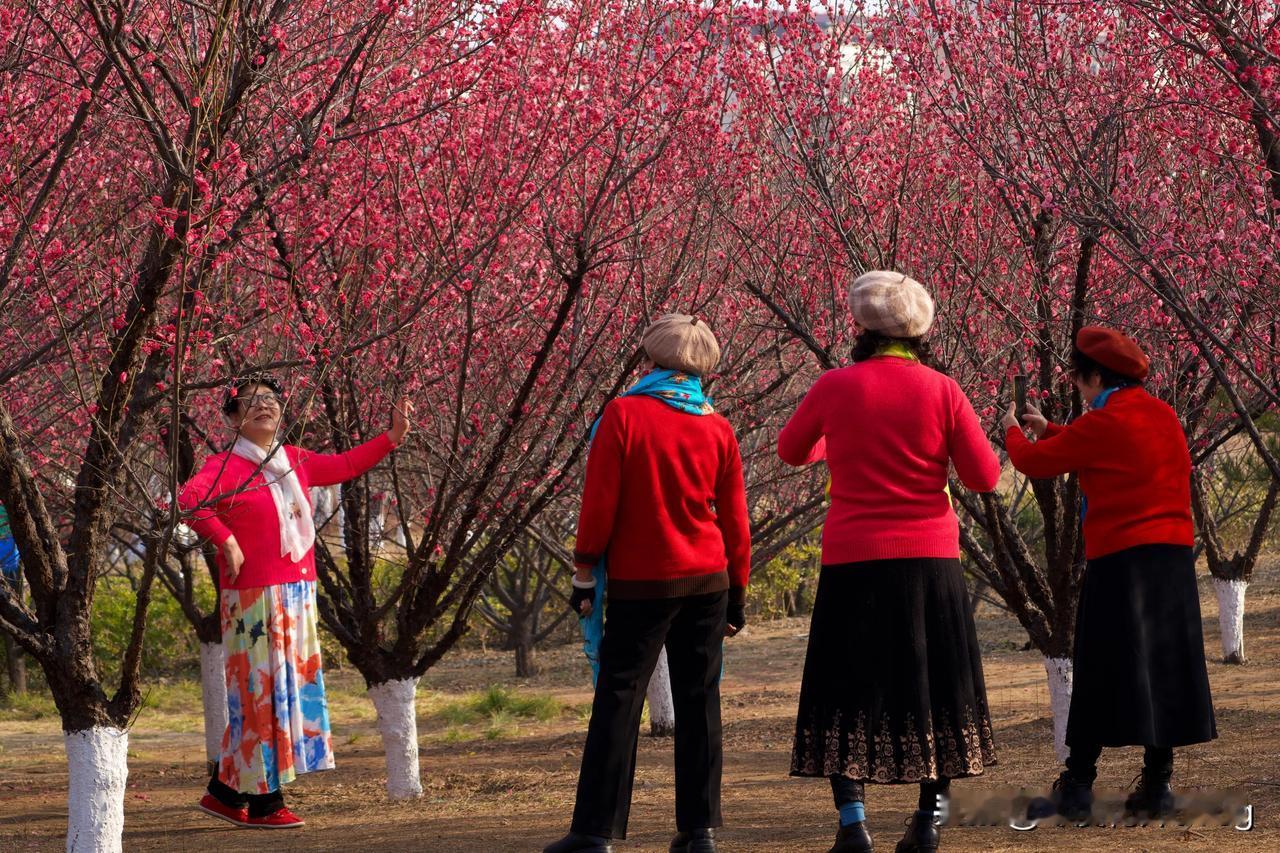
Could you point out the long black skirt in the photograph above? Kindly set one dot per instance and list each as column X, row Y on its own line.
column 893, row 688
column 1139, row 677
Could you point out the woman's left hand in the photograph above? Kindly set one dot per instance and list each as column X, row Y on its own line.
column 1010, row 419
column 400, row 413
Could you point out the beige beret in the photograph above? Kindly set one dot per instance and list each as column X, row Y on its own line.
column 681, row 342
column 891, row 303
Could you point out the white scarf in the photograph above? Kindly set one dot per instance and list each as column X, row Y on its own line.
column 293, row 510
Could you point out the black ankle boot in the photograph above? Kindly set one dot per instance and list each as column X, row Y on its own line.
column 694, row 841
column 922, row 835
column 1071, row 799
column 853, row 838
column 576, row 842
column 1153, row 799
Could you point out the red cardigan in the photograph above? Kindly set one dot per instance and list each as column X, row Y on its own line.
column 889, row 428
column 1134, row 469
column 664, row 499
column 236, row 501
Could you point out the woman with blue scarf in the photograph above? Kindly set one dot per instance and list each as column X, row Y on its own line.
column 664, row 520
column 1139, row 670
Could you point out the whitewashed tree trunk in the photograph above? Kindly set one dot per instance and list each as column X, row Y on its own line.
column 398, row 723
column 213, row 691
column 97, row 762
column 1058, row 672
column 1231, row 617
column 662, row 710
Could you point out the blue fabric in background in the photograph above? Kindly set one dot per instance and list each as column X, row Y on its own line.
column 9, row 564
column 683, row 392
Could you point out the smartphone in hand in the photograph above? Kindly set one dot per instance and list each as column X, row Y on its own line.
column 1020, row 395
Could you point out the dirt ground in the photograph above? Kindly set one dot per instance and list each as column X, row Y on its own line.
column 507, row 785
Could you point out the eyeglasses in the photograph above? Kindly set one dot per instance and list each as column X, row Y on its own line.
column 265, row 401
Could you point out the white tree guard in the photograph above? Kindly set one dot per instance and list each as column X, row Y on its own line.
column 1058, row 673
column 97, row 762
column 662, row 709
column 213, row 692
column 398, row 723
column 1231, row 617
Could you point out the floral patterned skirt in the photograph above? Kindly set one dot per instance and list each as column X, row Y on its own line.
column 278, row 717
column 893, row 688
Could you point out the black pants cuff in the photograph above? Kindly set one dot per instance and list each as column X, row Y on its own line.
column 261, row 805
column 225, row 794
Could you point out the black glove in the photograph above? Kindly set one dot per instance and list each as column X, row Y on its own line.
column 736, row 616
column 580, row 595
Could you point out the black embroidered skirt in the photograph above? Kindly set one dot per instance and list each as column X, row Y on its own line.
column 1139, row 672
column 893, row 689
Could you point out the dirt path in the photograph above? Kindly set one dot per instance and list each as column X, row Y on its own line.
column 514, row 792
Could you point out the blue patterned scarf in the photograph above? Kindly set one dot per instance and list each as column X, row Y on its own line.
column 680, row 391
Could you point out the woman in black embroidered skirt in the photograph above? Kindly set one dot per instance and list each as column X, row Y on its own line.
column 893, row 689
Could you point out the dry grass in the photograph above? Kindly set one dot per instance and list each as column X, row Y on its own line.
column 500, row 765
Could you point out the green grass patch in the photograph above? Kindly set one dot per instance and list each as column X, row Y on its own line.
column 24, row 707
column 499, row 703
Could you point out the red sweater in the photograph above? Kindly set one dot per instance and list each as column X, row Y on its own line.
column 664, row 500
column 237, row 502
column 889, row 427
column 1134, row 469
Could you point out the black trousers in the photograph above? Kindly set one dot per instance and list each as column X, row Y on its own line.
column 1157, row 762
column 692, row 628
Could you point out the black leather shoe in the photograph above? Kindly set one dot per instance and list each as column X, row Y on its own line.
column 921, row 837
column 576, row 842
column 1153, row 799
column 694, row 841
column 852, row 838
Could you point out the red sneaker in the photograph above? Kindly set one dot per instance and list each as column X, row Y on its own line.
column 210, row 805
column 280, row 819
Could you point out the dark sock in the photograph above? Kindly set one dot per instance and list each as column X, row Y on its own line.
column 929, row 794
column 225, row 794
column 1157, row 763
column 849, row 795
column 261, row 805
column 1082, row 762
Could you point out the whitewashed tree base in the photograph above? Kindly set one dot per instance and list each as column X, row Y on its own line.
column 1058, row 673
column 662, row 709
column 213, row 693
column 398, row 724
column 97, row 763
column 1231, row 617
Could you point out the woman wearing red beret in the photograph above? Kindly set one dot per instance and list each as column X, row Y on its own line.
column 1139, row 670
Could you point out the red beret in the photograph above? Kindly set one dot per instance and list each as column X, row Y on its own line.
column 1113, row 350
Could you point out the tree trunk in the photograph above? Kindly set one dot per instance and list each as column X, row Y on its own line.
column 97, row 761
column 1231, row 617
column 662, row 710
column 213, row 691
column 525, row 666
column 17, row 666
column 398, row 724
column 1058, row 672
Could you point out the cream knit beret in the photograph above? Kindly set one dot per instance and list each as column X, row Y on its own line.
column 891, row 303
column 681, row 342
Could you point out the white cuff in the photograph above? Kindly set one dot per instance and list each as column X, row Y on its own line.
column 591, row 584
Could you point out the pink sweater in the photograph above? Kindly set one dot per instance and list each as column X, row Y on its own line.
column 236, row 501
column 889, row 427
